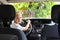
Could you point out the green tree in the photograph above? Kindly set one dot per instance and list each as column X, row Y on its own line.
column 39, row 10
column 45, row 11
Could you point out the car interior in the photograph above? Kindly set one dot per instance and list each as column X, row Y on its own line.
column 42, row 27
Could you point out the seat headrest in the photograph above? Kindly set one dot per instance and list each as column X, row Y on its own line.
column 7, row 12
column 55, row 12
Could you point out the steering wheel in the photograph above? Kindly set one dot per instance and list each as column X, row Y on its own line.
column 23, row 24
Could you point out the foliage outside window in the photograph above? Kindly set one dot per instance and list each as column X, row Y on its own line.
column 35, row 9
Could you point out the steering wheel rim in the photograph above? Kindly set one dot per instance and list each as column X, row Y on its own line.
column 29, row 29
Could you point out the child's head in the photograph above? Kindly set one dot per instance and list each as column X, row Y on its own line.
column 18, row 17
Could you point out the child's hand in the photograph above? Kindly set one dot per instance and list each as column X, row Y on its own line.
column 28, row 21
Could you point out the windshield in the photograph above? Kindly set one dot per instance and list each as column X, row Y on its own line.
column 35, row 10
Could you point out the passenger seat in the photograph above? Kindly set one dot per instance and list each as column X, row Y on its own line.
column 51, row 32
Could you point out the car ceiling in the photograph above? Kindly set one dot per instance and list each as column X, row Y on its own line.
column 29, row 0
column 6, row 1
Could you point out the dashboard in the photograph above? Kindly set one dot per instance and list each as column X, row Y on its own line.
column 37, row 26
column 37, row 23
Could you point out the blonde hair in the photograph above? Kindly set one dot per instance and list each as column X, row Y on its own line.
column 18, row 13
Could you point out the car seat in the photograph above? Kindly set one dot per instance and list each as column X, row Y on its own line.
column 7, row 14
column 51, row 32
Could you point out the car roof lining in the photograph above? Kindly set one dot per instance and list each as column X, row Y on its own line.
column 30, row 0
column 13, row 1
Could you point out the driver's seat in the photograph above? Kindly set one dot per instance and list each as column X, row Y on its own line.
column 7, row 14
